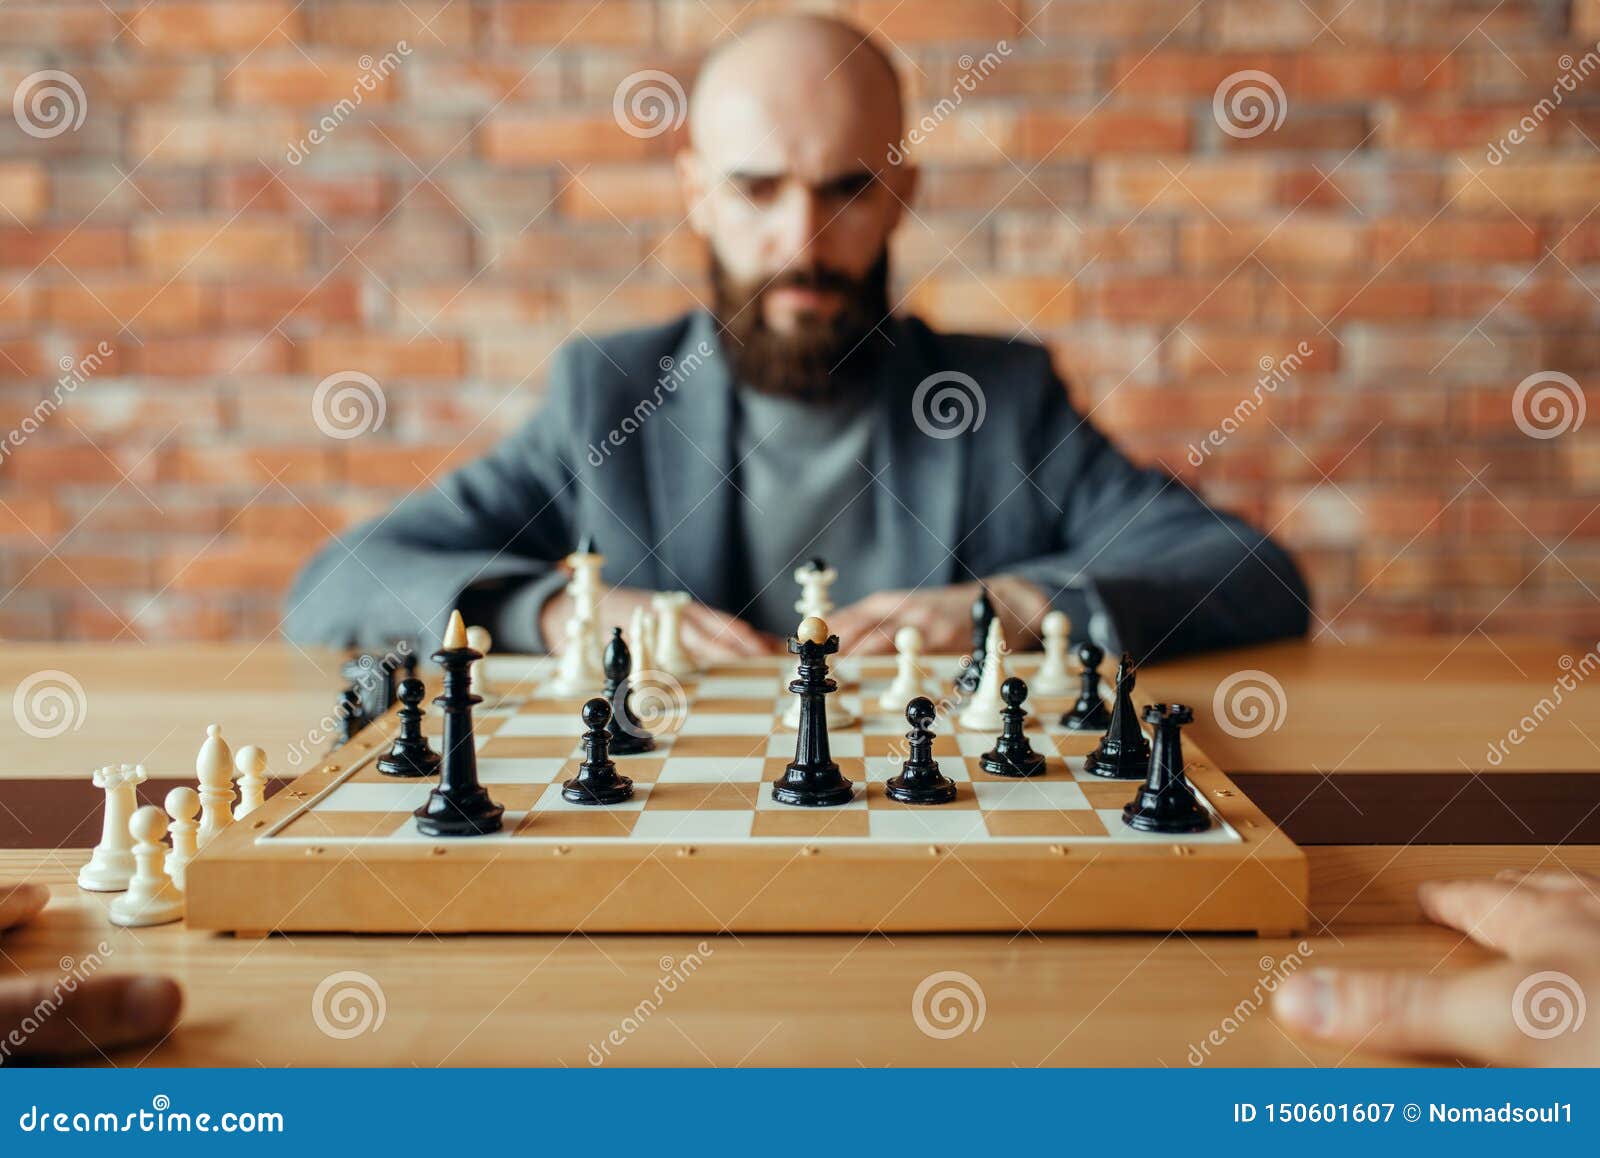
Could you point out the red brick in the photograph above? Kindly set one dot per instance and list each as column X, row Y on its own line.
column 1339, row 73
column 299, row 194
column 179, row 136
column 250, row 468
column 1184, row 184
column 203, row 356
column 574, row 23
column 321, row 83
column 1563, row 186
column 24, row 191
column 239, row 26
column 512, row 138
column 608, row 193
column 1009, row 305
column 148, row 305
column 425, row 25
column 233, row 565
column 1300, row 242
column 30, row 517
column 474, row 307
column 239, row 245
column 940, row 20
column 1447, row 240
column 1175, row 300
column 1168, row 72
column 76, row 248
column 308, row 304
column 1103, row 131
column 381, row 357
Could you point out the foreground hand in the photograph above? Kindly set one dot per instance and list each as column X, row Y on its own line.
column 1522, row 1011
column 942, row 614
column 41, row 1017
column 707, row 633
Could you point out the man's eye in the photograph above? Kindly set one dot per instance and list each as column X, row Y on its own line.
column 848, row 187
column 759, row 189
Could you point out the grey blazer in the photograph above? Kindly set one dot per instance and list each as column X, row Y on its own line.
column 634, row 445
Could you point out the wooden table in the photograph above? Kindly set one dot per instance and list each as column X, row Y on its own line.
column 1389, row 712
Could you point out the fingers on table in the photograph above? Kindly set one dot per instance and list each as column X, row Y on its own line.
column 97, row 1016
column 19, row 903
column 1520, row 921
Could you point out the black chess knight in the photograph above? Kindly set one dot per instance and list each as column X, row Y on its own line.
column 1166, row 802
column 1012, row 754
column 812, row 778
column 410, row 755
column 1123, row 753
column 1090, row 713
column 628, row 735
column 458, row 806
column 920, row 780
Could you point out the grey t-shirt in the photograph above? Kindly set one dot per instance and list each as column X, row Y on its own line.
column 805, row 488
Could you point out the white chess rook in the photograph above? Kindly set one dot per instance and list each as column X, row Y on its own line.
column 152, row 898
column 111, row 865
column 815, row 587
column 837, row 714
column 907, row 683
column 1053, row 678
column 982, row 714
column 214, row 768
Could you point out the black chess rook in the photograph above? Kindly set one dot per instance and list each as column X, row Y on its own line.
column 1166, row 802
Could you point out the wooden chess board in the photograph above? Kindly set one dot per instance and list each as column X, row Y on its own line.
column 702, row 846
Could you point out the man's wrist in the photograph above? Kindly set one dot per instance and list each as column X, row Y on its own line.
column 1022, row 602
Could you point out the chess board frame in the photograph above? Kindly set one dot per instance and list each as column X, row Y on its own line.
column 249, row 881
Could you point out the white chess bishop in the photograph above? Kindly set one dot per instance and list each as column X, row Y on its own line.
column 1053, row 678
column 581, row 669
column 152, row 898
column 214, row 767
column 982, row 713
column 111, row 864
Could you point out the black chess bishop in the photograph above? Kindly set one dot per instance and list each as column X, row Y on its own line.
column 628, row 735
column 410, row 755
column 1123, row 752
column 1012, row 754
column 920, row 780
column 1090, row 713
column 1166, row 802
column 597, row 781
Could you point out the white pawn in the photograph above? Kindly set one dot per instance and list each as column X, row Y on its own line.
column 1053, row 678
column 907, row 683
column 183, row 805
column 641, row 629
column 478, row 639
column 214, row 767
column 580, row 671
column 152, row 898
column 670, row 654
column 250, row 766
column 110, row 866
column 982, row 713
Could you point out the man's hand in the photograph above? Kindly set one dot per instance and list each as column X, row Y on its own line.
column 942, row 614
column 707, row 633
column 97, row 1015
column 1521, row 1011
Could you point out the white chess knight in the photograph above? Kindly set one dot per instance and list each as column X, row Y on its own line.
column 670, row 654
column 478, row 639
column 183, row 805
column 214, row 768
column 908, row 674
column 982, row 713
column 250, row 767
column 111, row 865
column 838, row 716
column 816, row 582
column 1053, row 678
column 152, row 898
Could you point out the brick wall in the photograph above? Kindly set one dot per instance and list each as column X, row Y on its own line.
column 482, row 202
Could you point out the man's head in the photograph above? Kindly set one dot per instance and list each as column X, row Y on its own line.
column 788, row 179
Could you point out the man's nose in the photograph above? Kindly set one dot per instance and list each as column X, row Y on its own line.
column 800, row 226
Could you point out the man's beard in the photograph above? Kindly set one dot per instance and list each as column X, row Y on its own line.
column 823, row 358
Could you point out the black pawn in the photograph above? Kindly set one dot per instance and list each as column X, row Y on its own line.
column 1165, row 802
column 920, row 781
column 1124, row 753
column 967, row 678
column 1090, row 713
column 458, row 804
column 812, row 779
column 1012, row 754
column 597, row 781
column 411, row 755
column 352, row 715
column 628, row 735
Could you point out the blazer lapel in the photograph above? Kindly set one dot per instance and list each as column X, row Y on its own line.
column 688, row 446
column 923, row 479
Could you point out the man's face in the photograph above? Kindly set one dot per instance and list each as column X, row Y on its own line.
column 791, row 188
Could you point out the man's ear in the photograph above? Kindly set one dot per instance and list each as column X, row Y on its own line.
column 902, row 181
column 694, row 185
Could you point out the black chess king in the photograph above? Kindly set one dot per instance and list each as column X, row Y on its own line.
column 458, row 806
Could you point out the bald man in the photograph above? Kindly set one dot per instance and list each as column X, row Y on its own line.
column 803, row 416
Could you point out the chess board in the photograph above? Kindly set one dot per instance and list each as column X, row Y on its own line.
column 702, row 846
